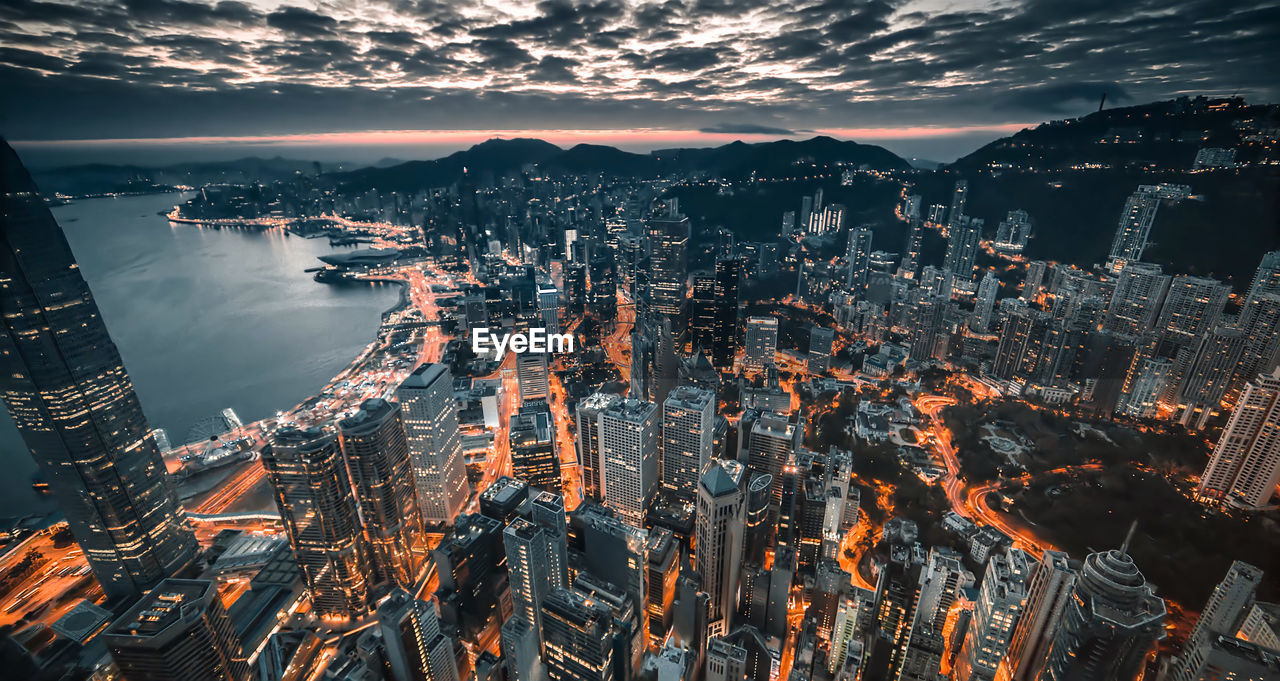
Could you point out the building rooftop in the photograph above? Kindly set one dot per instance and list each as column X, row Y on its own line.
column 162, row 607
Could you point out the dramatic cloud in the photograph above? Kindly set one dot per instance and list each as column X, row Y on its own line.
column 96, row 69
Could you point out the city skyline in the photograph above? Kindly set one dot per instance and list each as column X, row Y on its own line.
column 816, row 409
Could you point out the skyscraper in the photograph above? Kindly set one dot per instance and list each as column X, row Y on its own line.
column 533, row 376
column 1111, row 622
column 313, row 493
column 578, row 637
column 549, row 307
column 959, row 196
column 728, row 276
column 629, row 442
column 1135, row 222
column 668, row 262
column 1013, row 231
column 416, row 649
column 1192, row 307
column 662, row 569
column 859, row 257
column 773, row 441
column 688, row 422
column 913, row 242
column 532, row 436
column 720, row 527
column 821, row 339
column 528, row 549
column 985, row 303
column 1048, row 592
column 435, row 448
column 377, row 454
column 1214, row 361
column 1139, row 294
column 1226, row 610
column 1245, row 465
column 1142, row 400
column 71, row 399
column 962, row 249
column 179, row 631
column 1001, row 599
column 702, row 312
column 762, row 342
column 588, row 441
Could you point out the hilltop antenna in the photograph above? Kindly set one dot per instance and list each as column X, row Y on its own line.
column 1103, row 101
column 1133, row 527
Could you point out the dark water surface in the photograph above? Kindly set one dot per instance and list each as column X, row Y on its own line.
column 205, row 319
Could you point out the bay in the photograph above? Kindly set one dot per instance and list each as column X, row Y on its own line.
column 205, row 319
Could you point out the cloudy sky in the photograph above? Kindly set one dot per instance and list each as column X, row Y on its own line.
column 80, row 74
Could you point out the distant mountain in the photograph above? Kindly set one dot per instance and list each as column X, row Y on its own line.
column 737, row 159
column 100, row 178
column 1160, row 134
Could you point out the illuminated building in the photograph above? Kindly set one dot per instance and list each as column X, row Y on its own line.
column 67, row 390
column 829, row 219
column 377, row 455
column 913, row 242
column 1048, row 591
column 761, row 343
column 1135, row 305
column 520, row 650
column 1245, row 465
column 503, row 498
column 1192, row 307
column 820, row 342
column 612, row 547
column 688, row 421
column 959, row 195
column 630, row 635
column 1002, row 597
column 1260, row 326
column 179, row 631
column 1135, row 222
column 1222, row 657
column 575, row 286
column 435, row 448
column 720, row 527
column 1109, row 624
column 1153, row 378
column 1013, row 232
column 578, row 637
column 728, row 276
column 416, row 649
column 772, row 442
column 759, row 526
column 313, row 493
column 962, row 250
column 1262, row 625
column 662, row 570
column 702, row 312
column 725, row 661
column 532, row 377
column 1223, row 615
column 985, row 303
column 602, row 295
column 532, row 436
column 528, row 549
column 668, row 263
column 1267, row 277
column 1205, row 383
column 471, row 564
column 629, row 443
column 588, row 441
column 549, row 307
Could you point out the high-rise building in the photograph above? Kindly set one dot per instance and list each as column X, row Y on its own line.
column 821, row 340
column 629, row 443
column 1260, row 329
column 1135, row 305
column 67, row 390
column 773, row 441
column 1245, row 465
column 602, row 295
column 532, row 436
column 1267, row 277
column 688, row 424
column 313, row 493
column 1048, row 592
column 728, row 276
column 575, row 287
column 1013, row 232
column 529, row 548
column 668, row 263
column 1142, row 400
column 662, row 570
column 1135, row 222
column 1192, row 307
column 725, row 661
column 179, row 631
column 702, row 312
column 859, row 257
column 435, row 447
column 1215, row 358
column 1109, row 625
column 549, row 307
column 962, row 249
column 828, row 220
column 1228, row 606
column 720, row 527
column 1001, row 599
column 761, row 343
column 914, row 240
column 416, row 649
column 520, row 650
column 377, row 455
column 959, row 196
column 985, row 303
column 588, row 441
column 1223, row 656
column 532, row 376
column 1262, row 625
column 578, row 637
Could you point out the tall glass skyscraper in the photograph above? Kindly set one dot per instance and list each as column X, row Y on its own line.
column 67, row 389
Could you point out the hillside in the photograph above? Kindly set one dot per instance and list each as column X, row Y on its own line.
column 1164, row 135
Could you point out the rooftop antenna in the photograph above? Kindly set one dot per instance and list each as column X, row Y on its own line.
column 1124, row 548
column 1103, row 101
